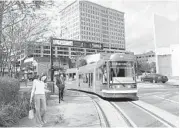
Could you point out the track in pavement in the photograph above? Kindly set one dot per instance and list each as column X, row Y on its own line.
column 140, row 114
column 144, row 115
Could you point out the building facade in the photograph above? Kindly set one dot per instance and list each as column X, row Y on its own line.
column 74, row 50
column 63, row 54
column 168, row 60
column 166, row 43
column 87, row 21
column 146, row 57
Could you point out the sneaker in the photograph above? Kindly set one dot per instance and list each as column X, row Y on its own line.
column 44, row 122
column 39, row 125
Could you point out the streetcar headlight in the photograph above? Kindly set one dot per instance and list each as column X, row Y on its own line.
column 134, row 86
column 128, row 86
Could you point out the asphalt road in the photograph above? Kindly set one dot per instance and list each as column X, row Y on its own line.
column 158, row 106
column 164, row 97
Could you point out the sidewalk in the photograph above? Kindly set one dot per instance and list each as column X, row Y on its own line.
column 77, row 110
column 173, row 81
column 72, row 112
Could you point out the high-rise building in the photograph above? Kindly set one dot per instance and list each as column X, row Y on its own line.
column 87, row 21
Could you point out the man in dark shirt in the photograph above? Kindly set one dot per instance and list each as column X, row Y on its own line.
column 60, row 83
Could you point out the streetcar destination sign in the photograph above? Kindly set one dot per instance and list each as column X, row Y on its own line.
column 63, row 42
column 121, row 64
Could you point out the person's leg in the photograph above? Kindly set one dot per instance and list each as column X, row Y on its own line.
column 62, row 93
column 43, row 108
column 59, row 95
column 26, row 82
column 37, row 107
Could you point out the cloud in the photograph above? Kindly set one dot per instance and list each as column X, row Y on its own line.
column 139, row 21
column 142, row 44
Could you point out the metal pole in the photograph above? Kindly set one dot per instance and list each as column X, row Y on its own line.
column 108, row 73
column 51, row 61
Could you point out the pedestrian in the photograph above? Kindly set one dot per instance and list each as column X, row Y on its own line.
column 26, row 79
column 38, row 93
column 60, row 83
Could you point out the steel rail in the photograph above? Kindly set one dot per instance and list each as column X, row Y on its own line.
column 129, row 122
column 101, row 113
column 154, row 115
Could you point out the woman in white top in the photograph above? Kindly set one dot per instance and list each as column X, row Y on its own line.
column 38, row 91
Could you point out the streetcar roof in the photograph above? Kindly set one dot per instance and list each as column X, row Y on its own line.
column 97, row 60
column 109, row 57
column 71, row 70
column 90, row 67
column 87, row 68
column 122, row 57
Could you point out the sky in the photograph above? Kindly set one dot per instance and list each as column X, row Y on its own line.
column 138, row 19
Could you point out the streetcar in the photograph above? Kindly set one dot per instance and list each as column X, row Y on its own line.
column 110, row 75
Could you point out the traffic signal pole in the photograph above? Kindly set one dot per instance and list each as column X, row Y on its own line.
column 51, row 58
column 51, row 62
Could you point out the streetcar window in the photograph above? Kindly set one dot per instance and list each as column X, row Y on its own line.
column 121, row 69
column 104, row 74
column 117, row 72
column 121, row 73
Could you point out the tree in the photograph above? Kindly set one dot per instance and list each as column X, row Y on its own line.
column 6, row 6
column 81, row 62
column 153, row 67
column 145, row 67
column 19, row 24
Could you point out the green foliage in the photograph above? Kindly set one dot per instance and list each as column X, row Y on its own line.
column 12, row 112
column 13, row 105
column 81, row 62
column 145, row 67
column 9, row 89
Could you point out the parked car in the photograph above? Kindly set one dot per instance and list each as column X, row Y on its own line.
column 154, row 78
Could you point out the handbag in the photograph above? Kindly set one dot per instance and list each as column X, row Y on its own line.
column 31, row 112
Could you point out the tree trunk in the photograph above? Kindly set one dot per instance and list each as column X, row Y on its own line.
column 1, row 18
column 3, row 72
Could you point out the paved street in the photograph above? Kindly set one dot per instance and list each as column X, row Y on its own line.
column 166, row 98
column 155, row 98
column 158, row 106
column 71, row 112
column 117, row 60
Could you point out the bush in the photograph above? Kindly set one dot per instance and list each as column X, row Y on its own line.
column 9, row 89
column 12, row 112
column 13, row 106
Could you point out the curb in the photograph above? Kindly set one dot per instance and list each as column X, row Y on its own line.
column 108, row 111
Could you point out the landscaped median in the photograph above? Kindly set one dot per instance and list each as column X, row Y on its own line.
column 14, row 103
column 13, row 106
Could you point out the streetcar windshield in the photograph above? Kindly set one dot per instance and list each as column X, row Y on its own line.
column 121, row 71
